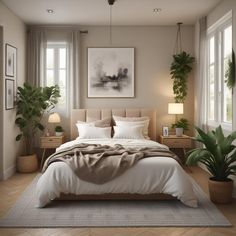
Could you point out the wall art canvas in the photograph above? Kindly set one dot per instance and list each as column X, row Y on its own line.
column 9, row 94
column 111, row 72
column 10, row 61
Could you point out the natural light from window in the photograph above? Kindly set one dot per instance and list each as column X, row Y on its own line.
column 56, row 70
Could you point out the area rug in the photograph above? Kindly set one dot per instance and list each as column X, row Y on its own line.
column 112, row 213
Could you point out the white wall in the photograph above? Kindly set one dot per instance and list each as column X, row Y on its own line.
column 154, row 47
column 224, row 7
column 14, row 33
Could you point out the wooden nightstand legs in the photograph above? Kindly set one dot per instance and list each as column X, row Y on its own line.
column 42, row 160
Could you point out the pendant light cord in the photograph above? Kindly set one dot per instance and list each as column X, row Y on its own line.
column 178, row 42
column 110, row 25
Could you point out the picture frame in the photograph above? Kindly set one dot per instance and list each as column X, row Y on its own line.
column 111, row 72
column 165, row 131
column 10, row 60
column 9, row 94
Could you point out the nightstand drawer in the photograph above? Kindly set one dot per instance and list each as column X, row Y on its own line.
column 51, row 142
column 178, row 143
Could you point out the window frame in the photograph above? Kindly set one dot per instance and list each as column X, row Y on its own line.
column 56, row 68
column 217, row 30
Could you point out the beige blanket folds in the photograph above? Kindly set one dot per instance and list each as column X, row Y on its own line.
column 101, row 163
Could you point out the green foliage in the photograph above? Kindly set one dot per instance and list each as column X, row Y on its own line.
column 58, row 129
column 230, row 72
column 181, row 123
column 218, row 153
column 180, row 68
column 31, row 104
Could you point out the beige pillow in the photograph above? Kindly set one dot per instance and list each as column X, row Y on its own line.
column 106, row 122
column 97, row 123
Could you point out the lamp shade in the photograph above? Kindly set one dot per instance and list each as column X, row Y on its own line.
column 175, row 108
column 54, row 118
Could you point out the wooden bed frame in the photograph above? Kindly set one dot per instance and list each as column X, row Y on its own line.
column 83, row 115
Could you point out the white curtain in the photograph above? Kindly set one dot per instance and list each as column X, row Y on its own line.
column 36, row 43
column 200, row 73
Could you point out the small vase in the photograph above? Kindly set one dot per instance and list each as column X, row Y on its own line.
column 179, row 132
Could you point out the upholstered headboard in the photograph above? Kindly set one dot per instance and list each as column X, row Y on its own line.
column 83, row 114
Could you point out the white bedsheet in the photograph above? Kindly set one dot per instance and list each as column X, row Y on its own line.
column 149, row 175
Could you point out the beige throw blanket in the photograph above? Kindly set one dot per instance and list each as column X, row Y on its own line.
column 101, row 163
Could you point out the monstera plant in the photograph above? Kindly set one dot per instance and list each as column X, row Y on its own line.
column 218, row 154
column 180, row 68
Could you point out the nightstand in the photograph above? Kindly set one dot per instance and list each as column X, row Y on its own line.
column 177, row 142
column 51, row 142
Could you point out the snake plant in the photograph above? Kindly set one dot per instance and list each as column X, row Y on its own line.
column 218, row 153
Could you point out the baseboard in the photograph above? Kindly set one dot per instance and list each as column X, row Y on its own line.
column 204, row 168
column 9, row 172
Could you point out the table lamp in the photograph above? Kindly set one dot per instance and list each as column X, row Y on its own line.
column 175, row 109
column 54, row 118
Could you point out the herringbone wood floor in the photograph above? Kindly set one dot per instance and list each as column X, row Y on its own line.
column 13, row 187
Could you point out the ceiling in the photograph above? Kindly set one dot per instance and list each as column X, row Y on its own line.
column 96, row 12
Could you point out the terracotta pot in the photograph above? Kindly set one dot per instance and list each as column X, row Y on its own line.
column 220, row 191
column 27, row 164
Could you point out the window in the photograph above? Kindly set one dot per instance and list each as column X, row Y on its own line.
column 219, row 96
column 57, row 71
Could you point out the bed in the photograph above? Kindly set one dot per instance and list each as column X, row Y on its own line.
column 151, row 178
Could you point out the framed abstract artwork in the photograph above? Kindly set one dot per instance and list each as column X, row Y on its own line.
column 10, row 60
column 9, row 94
column 111, row 72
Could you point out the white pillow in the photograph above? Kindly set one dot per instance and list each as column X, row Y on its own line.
column 143, row 123
column 87, row 132
column 127, row 132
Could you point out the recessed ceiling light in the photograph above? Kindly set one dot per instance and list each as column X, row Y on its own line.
column 157, row 10
column 50, row 11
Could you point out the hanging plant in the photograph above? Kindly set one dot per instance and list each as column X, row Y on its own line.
column 230, row 72
column 180, row 68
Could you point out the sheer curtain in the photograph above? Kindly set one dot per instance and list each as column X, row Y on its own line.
column 36, row 44
column 38, row 40
column 200, row 73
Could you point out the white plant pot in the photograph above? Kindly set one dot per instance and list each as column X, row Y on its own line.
column 179, row 131
column 58, row 133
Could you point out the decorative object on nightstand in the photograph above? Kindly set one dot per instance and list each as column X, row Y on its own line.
column 59, row 131
column 219, row 155
column 177, row 143
column 181, row 126
column 51, row 142
column 54, row 118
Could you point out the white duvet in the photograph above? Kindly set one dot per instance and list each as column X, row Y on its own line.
column 149, row 175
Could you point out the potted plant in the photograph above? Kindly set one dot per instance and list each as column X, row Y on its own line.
column 180, row 126
column 218, row 155
column 58, row 130
column 31, row 103
column 180, row 68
